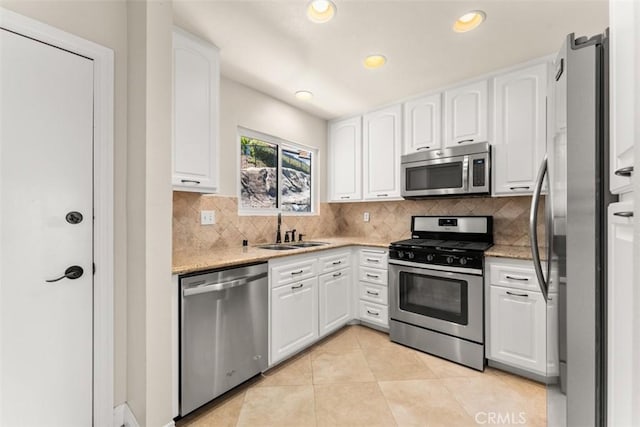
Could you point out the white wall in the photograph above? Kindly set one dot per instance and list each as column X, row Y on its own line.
column 246, row 107
column 105, row 23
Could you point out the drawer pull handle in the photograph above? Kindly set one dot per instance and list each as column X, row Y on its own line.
column 525, row 187
column 375, row 294
column 373, row 260
column 293, row 273
column 193, row 181
column 297, row 286
column 382, row 195
column 345, row 197
column 337, row 262
column 522, row 279
column 517, row 295
column 337, row 274
column 375, row 276
column 422, row 148
column 465, row 140
column 626, row 172
column 373, row 313
column 627, row 214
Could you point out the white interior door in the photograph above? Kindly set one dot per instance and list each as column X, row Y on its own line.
column 46, row 158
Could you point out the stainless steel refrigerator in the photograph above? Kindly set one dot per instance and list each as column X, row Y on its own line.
column 574, row 280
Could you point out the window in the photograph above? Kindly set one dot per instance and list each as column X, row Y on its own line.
column 275, row 175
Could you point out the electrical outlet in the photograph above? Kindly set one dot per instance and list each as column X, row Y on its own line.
column 366, row 217
column 207, row 217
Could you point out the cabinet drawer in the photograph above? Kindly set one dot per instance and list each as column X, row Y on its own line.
column 373, row 275
column 374, row 313
column 520, row 276
column 373, row 258
column 295, row 271
column 334, row 262
column 373, row 293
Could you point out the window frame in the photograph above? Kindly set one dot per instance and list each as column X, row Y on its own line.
column 279, row 142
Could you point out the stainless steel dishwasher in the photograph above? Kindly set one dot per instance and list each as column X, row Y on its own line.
column 223, row 332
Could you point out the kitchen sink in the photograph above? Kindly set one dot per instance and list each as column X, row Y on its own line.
column 308, row 244
column 278, row 247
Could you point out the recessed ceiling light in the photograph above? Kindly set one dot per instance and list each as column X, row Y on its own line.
column 304, row 95
column 374, row 61
column 320, row 11
column 469, row 21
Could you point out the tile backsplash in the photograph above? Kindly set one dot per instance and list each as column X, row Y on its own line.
column 389, row 220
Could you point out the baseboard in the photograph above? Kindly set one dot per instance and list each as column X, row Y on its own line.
column 123, row 417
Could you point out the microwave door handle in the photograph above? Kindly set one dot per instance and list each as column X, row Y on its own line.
column 533, row 232
column 466, row 176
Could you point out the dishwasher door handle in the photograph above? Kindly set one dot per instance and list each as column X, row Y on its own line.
column 216, row 287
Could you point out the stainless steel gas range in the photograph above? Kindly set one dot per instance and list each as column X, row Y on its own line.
column 436, row 287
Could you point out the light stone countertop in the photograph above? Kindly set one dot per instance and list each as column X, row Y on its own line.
column 516, row 252
column 192, row 261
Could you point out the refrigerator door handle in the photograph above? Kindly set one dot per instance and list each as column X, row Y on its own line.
column 533, row 234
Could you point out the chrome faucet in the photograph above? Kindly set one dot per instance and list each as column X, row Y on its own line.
column 278, row 234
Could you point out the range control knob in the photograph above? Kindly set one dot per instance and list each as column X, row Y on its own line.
column 400, row 254
column 411, row 255
column 463, row 261
column 449, row 260
column 430, row 257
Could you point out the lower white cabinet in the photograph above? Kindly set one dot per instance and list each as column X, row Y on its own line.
column 518, row 318
column 518, row 328
column 335, row 299
column 294, row 317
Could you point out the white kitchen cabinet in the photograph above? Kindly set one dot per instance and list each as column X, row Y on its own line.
column 518, row 328
column 196, row 77
column 465, row 114
column 335, row 300
column 423, row 124
column 382, row 145
column 623, row 72
column 294, row 317
column 372, row 271
column 519, row 142
column 621, row 290
column 345, row 160
column 517, row 317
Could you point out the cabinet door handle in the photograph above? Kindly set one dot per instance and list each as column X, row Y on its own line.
column 382, row 195
column 337, row 274
column 294, row 273
column 373, row 260
column 517, row 295
column 297, row 286
column 345, row 197
column 373, row 313
column 337, row 262
column 193, row 181
column 525, row 187
column 465, row 140
column 422, row 148
column 626, row 172
column 375, row 276
column 375, row 294
column 522, row 279
column 626, row 214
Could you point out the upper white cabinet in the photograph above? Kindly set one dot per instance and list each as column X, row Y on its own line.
column 345, row 160
column 623, row 73
column 465, row 115
column 382, row 141
column 423, row 124
column 520, row 129
column 196, row 77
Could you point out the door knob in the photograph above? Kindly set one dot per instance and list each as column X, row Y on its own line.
column 73, row 272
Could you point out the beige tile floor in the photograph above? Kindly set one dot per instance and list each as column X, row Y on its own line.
column 357, row 377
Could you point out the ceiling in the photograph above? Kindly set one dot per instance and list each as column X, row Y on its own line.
column 271, row 46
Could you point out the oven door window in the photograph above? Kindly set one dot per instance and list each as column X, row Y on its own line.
column 434, row 177
column 435, row 297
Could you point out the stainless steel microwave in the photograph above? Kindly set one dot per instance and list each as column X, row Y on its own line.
column 447, row 172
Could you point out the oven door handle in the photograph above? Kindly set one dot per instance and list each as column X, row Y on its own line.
column 533, row 231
